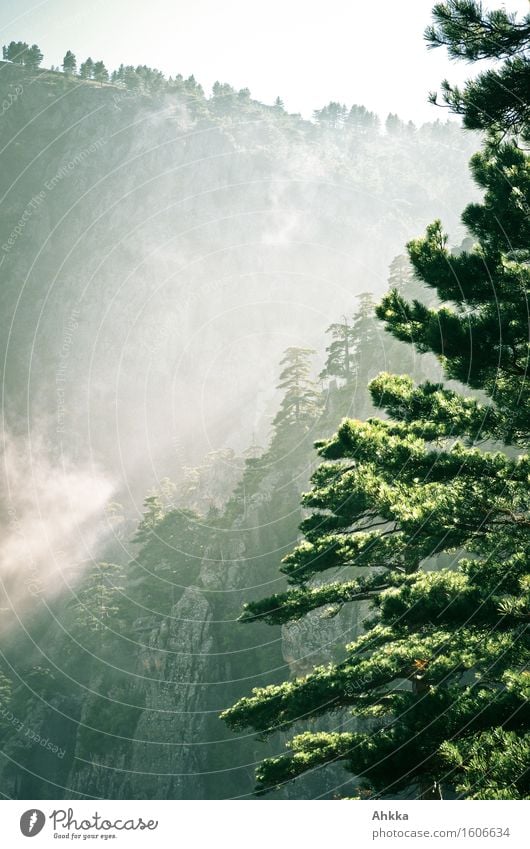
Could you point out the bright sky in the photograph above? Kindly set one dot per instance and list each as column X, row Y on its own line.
column 309, row 52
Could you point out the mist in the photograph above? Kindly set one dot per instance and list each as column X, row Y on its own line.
column 55, row 522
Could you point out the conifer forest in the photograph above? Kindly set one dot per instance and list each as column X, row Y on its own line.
column 265, row 428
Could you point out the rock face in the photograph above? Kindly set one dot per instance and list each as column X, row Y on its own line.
column 174, row 723
column 193, row 665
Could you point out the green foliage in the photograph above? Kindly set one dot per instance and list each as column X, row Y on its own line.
column 86, row 71
column 493, row 765
column 498, row 98
column 153, row 514
column 141, row 79
column 432, row 412
column 97, row 606
column 333, row 115
column 470, row 33
column 362, row 121
column 339, row 362
column 15, row 52
column 386, row 500
column 33, row 57
column 172, row 545
column 69, row 63
column 300, row 404
column 21, row 53
column 481, row 340
column 100, row 72
column 394, row 126
column 348, row 341
column 438, row 683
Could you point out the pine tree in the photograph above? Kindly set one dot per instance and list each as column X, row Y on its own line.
column 386, row 500
column 69, row 63
column 401, row 273
column 152, row 80
column 350, row 341
column 341, row 352
column 168, row 561
column 97, row 605
column 131, row 79
column 361, row 121
column 16, row 52
column 439, row 683
column 86, row 71
column 33, row 57
column 100, row 72
column 300, row 404
column 21, row 53
column 498, row 98
column 483, row 339
column 355, row 355
column 394, row 125
column 117, row 75
column 333, row 115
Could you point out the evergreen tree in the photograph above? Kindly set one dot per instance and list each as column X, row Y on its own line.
column 439, row 682
column 100, row 72
column 153, row 514
column 361, row 121
column 117, row 76
column 350, row 341
column 481, row 340
column 333, row 115
column 168, row 561
column 400, row 273
column 21, row 53
column 33, row 57
column 341, row 352
column 386, row 500
column 69, row 63
column 193, row 87
column 98, row 604
column 16, row 52
column 223, row 98
column 152, row 80
column 365, row 337
column 394, row 125
column 498, row 98
column 86, row 71
column 300, row 404
column 127, row 76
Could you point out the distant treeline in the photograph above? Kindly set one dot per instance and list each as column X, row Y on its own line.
column 146, row 80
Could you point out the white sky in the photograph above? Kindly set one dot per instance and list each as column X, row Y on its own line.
column 309, row 52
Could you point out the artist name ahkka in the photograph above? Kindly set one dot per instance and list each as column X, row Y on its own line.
column 389, row 815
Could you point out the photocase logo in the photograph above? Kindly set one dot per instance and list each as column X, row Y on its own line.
column 32, row 822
